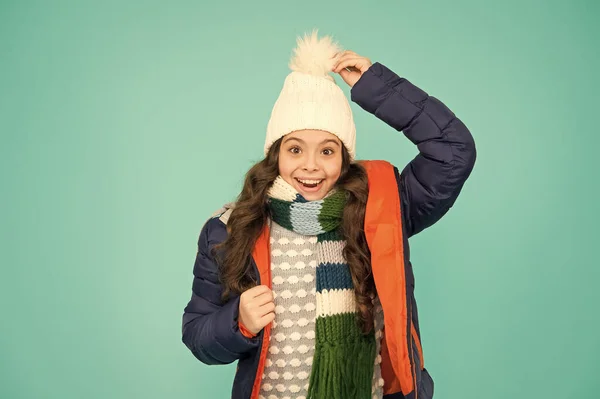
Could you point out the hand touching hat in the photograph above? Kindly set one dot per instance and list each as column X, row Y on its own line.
column 350, row 66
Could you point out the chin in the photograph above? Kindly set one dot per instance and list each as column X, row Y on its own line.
column 313, row 197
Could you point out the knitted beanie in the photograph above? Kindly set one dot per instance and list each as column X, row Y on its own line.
column 310, row 98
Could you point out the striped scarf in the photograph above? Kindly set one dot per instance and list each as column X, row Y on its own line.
column 344, row 358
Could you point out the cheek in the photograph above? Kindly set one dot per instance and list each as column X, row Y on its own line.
column 285, row 166
column 334, row 169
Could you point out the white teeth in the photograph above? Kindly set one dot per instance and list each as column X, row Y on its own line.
column 310, row 181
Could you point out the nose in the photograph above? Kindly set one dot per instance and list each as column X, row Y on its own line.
column 310, row 163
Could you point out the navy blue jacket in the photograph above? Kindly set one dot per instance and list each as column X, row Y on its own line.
column 428, row 186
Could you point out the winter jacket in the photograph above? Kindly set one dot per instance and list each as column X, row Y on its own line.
column 400, row 205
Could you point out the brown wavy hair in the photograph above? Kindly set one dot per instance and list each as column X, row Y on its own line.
column 251, row 213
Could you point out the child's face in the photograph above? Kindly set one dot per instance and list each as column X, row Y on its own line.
column 313, row 155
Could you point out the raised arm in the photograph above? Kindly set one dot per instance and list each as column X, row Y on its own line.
column 432, row 181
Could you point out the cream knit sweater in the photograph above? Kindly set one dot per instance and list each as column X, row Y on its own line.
column 292, row 342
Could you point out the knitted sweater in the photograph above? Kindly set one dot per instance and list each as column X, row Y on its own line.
column 292, row 342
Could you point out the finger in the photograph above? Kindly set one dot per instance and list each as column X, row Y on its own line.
column 266, row 308
column 266, row 319
column 349, row 77
column 265, row 297
column 340, row 53
column 343, row 56
column 357, row 62
column 336, row 58
column 345, row 75
column 348, row 57
column 258, row 290
column 347, row 52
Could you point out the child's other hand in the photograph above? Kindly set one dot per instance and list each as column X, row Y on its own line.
column 257, row 308
column 355, row 64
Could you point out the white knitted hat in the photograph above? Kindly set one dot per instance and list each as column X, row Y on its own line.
column 310, row 98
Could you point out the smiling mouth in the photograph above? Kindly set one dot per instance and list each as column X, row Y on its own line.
column 309, row 183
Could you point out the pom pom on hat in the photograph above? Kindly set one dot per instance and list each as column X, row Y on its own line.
column 310, row 98
column 314, row 56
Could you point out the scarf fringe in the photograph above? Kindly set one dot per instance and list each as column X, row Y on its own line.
column 343, row 370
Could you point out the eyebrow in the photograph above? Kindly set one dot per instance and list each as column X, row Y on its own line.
column 303, row 142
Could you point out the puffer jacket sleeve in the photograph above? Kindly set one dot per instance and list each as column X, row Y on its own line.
column 431, row 182
column 209, row 327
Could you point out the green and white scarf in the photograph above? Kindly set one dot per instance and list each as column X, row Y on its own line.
column 344, row 358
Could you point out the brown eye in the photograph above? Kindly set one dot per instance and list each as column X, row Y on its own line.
column 294, row 148
column 328, row 151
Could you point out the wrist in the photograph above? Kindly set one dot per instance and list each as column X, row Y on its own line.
column 245, row 332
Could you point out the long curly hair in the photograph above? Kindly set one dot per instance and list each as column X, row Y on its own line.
column 251, row 212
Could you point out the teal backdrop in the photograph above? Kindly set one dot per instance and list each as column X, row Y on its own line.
column 125, row 124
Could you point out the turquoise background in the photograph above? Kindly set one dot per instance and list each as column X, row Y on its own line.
column 124, row 125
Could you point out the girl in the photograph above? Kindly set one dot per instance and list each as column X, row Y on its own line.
column 306, row 280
